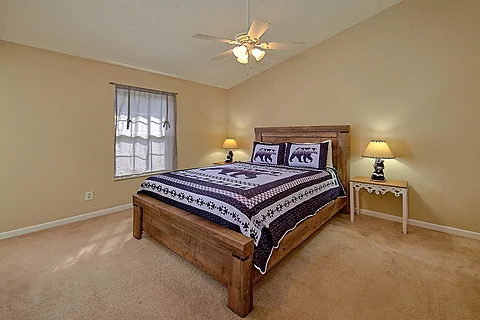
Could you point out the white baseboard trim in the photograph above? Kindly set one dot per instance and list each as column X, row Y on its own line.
column 51, row 224
column 85, row 216
column 423, row 224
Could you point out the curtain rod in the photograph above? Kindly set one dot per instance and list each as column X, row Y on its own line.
column 143, row 89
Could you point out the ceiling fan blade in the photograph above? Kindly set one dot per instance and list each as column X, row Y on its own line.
column 221, row 55
column 273, row 45
column 207, row 37
column 258, row 28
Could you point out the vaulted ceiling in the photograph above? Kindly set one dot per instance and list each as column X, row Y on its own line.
column 157, row 34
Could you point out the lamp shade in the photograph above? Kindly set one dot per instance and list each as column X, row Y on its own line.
column 230, row 143
column 378, row 149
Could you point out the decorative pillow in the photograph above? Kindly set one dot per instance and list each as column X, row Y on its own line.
column 313, row 155
column 271, row 153
column 329, row 154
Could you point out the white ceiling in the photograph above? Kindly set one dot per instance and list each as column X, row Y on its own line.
column 157, row 34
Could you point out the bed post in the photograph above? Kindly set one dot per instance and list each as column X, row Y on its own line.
column 344, row 165
column 137, row 221
column 240, row 293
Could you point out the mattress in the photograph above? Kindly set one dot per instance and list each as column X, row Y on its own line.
column 263, row 202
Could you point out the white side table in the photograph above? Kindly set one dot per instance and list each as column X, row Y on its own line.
column 397, row 187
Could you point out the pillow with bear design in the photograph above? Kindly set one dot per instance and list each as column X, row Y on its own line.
column 312, row 155
column 270, row 153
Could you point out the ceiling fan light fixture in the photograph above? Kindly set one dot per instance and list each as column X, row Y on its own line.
column 258, row 54
column 240, row 51
column 248, row 43
column 243, row 59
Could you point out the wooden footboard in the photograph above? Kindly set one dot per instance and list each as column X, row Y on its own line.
column 223, row 253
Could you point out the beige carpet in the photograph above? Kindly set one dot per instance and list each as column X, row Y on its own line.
column 366, row 270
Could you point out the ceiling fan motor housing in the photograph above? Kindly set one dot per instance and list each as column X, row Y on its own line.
column 244, row 39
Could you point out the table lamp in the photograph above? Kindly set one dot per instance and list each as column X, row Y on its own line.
column 230, row 144
column 379, row 150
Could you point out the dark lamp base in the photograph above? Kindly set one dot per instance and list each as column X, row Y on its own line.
column 378, row 168
column 229, row 157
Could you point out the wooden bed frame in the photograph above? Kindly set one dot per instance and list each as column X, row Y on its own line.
column 224, row 253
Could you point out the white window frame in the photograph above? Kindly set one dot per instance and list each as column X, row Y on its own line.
column 166, row 121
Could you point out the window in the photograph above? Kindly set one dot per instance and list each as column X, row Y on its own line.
column 145, row 131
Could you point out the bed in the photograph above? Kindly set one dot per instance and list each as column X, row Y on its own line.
column 228, row 254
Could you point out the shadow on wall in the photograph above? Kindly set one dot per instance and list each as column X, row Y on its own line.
column 216, row 156
column 243, row 154
column 400, row 149
column 422, row 210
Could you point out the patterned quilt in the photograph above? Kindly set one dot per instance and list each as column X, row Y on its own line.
column 261, row 201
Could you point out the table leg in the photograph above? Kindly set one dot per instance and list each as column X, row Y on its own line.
column 405, row 210
column 357, row 200
column 352, row 208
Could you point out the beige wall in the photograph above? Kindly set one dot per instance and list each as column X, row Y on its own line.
column 57, row 132
column 410, row 75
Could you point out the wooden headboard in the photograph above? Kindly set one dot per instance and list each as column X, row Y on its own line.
column 339, row 134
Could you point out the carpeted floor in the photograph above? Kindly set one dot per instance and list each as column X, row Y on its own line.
column 366, row 270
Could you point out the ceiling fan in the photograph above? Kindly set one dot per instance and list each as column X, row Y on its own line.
column 248, row 43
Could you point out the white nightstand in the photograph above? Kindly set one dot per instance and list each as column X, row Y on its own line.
column 397, row 187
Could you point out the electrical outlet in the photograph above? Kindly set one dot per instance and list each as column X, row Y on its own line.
column 88, row 195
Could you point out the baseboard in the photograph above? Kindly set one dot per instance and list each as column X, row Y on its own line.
column 51, row 224
column 423, row 224
column 412, row 222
